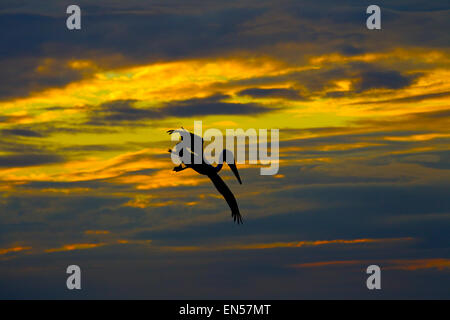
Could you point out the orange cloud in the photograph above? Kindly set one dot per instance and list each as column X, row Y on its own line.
column 412, row 265
column 318, row 243
column 399, row 264
column 14, row 249
column 145, row 201
column 83, row 246
column 96, row 232
column 327, row 263
column 76, row 246
column 140, row 242
column 296, row 244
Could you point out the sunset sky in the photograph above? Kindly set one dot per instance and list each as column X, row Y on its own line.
column 364, row 121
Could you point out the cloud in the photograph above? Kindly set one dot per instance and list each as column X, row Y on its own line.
column 90, row 148
column 13, row 249
column 22, row 133
column 151, row 33
column 52, row 127
column 28, row 160
column 295, row 244
column 359, row 76
column 282, row 93
column 384, row 79
column 409, row 99
column 120, row 111
column 96, row 232
column 419, row 264
column 24, row 76
column 76, row 246
column 123, row 111
column 8, row 119
column 328, row 263
column 427, row 121
column 433, row 159
column 213, row 105
column 351, row 50
column 398, row 264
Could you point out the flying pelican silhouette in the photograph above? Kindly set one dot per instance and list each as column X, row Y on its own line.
column 207, row 169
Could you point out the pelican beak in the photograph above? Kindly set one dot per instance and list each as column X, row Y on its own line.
column 235, row 171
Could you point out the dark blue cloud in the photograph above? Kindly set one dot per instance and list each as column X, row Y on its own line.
column 22, row 133
column 384, row 79
column 123, row 111
column 27, row 160
column 289, row 94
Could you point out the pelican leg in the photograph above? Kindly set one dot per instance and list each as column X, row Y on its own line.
column 179, row 168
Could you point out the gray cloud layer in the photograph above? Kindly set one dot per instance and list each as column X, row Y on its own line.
column 121, row 111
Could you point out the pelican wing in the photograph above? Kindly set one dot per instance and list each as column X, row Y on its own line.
column 228, row 195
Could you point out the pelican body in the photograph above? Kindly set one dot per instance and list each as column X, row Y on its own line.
column 205, row 168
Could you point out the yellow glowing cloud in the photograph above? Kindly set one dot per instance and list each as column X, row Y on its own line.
column 146, row 202
column 418, row 137
column 156, row 84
